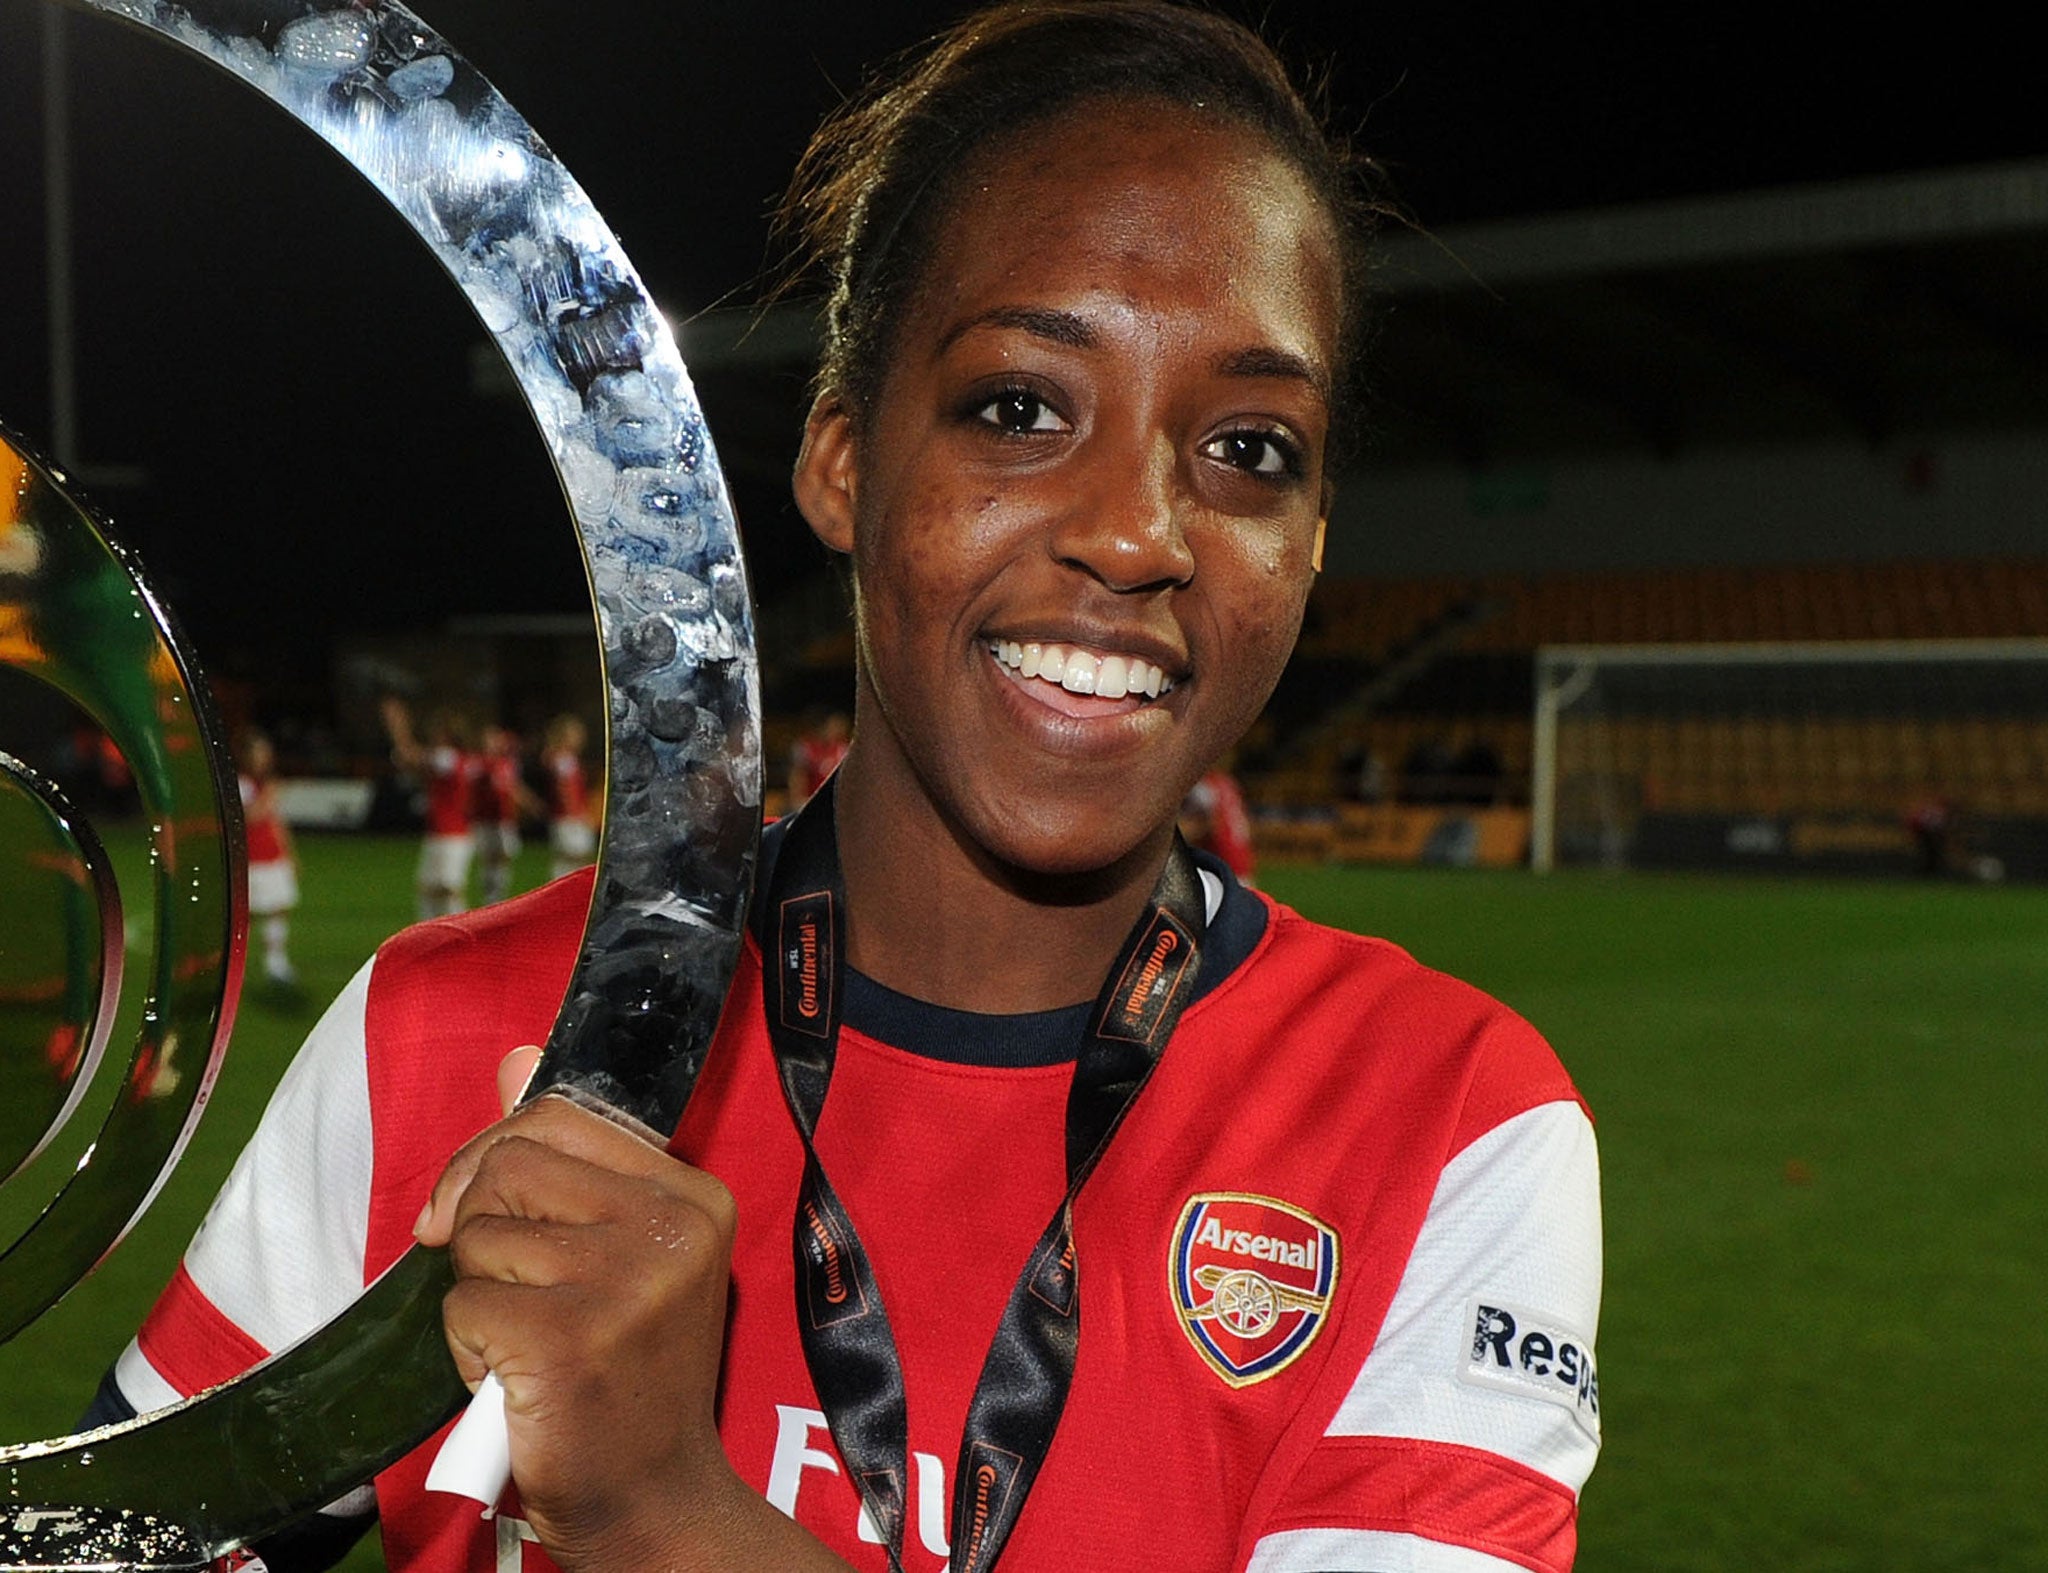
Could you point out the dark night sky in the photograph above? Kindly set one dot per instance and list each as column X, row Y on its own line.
column 291, row 370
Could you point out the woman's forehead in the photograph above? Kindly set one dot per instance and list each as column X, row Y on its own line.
column 1137, row 208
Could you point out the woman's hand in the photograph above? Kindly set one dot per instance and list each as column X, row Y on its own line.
column 592, row 1274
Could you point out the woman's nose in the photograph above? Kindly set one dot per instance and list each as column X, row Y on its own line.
column 1125, row 526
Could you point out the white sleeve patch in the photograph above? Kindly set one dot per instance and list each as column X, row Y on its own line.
column 281, row 1250
column 1522, row 1351
column 1367, row 1551
column 1515, row 1227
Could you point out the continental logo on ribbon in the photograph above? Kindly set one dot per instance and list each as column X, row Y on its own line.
column 1054, row 1280
column 992, row 1474
column 881, row 1498
column 1149, row 978
column 832, row 1289
column 802, row 938
column 1252, row 1279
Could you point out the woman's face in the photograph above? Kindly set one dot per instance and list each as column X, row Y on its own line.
column 1100, row 433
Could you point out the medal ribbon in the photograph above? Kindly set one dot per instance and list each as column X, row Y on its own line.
column 847, row 1342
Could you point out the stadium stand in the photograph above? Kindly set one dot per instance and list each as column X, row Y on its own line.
column 1476, row 684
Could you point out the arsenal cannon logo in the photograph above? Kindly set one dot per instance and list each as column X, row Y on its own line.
column 1252, row 1279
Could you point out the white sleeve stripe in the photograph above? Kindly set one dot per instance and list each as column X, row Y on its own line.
column 140, row 1382
column 1515, row 1222
column 358, row 1502
column 281, row 1250
column 1367, row 1551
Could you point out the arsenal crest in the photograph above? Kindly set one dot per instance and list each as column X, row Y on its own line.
column 1252, row 1280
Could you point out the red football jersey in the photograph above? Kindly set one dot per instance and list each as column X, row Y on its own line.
column 1221, row 802
column 261, row 819
column 811, row 761
column 450, row 790
column 494, row 794
column 568, row 793
column 1339, row 1269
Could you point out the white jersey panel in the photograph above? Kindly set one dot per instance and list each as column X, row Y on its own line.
column 1367, row 1551
column 281, row 1250
column 1488, row 1343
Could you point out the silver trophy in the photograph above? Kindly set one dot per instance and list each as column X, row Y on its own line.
column 599, row 369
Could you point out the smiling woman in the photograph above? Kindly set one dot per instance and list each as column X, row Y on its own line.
column 1047, row 1196
column 1105, row 440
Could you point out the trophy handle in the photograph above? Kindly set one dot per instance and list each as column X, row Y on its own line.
column 41, row 834
column 599, row 369
column 83, row 620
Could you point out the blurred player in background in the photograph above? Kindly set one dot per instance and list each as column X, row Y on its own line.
column 1213, row 819
column 441, row 767
column 816, row 756
column 273, row 864
column 572, row 823
column 1931, row 822
column 498, row 801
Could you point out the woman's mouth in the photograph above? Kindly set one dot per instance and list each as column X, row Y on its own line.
column 1071, row 670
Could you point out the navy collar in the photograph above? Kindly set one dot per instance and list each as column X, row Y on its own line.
column 1237, row 919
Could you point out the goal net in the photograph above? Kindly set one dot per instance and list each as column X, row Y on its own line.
column 1883, row 757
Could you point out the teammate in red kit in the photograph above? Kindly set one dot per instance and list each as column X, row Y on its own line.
column 498, row 801
column 816, row 755
column 572, row 822
column 446, row 771
column 273, row 864
column 1135, row 1221
column 1213, row 818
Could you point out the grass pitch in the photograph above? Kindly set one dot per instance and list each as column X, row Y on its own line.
column 1819, row 1107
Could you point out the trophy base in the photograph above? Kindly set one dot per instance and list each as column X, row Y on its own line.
column 89, row 1539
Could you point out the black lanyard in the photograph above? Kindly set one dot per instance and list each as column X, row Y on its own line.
column 847, row 1342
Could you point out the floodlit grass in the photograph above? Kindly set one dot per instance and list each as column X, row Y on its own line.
column 1819, row 1108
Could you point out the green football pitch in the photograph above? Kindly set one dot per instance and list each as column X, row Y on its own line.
column 1821, row 1110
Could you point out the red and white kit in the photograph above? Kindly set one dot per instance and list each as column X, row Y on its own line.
column 1220, row 801
column 813, row 758
column 446, row 849
column 273, row 878
column 572, row 829
column 494, row 793
column 1339, row 1268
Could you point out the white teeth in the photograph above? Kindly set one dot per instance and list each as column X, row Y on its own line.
column 1106, row 677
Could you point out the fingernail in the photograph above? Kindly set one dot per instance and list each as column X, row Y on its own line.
column 419, row 1224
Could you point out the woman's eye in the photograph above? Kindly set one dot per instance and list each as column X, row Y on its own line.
column 1256, row 452
column 1019, row 410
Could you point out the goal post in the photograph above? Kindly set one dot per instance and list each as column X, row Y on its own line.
column 1889, row 756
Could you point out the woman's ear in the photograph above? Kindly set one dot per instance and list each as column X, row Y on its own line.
column 824, row 478
column 1323, row 523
